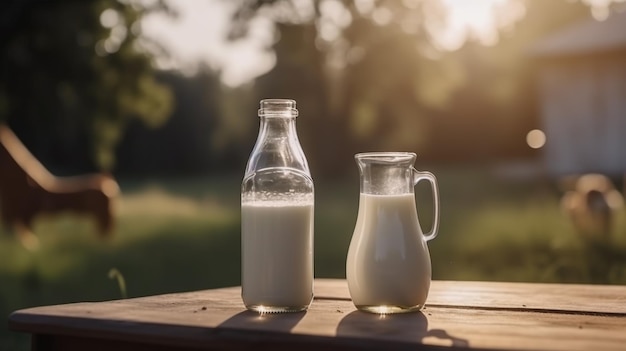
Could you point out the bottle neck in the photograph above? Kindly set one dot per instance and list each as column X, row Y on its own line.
column 277, row 145
column 277, row 129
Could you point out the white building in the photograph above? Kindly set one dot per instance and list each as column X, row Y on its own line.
column 582, row 80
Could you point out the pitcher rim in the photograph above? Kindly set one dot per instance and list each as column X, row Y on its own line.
column 385, row 156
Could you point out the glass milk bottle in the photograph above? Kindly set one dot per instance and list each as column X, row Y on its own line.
column 277, row 216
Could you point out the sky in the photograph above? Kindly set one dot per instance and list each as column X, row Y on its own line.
column 199, row 34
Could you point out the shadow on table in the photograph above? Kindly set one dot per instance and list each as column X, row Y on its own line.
column 407, row 327
column 275, row 322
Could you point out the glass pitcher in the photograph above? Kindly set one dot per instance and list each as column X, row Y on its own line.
column 388, row 266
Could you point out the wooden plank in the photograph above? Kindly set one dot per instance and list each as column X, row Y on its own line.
column 337, row 319
column 498, row 295
column 213, row 318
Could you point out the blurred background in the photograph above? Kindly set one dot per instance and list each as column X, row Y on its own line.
column 507, row 102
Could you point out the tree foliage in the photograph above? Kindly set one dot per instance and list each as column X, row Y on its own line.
column 372, row 77
column 184, row 144
column 72, row 77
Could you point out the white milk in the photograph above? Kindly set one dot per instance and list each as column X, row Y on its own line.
column 277, row 255
column 388, row 262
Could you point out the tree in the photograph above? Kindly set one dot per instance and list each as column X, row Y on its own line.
column 337, row 61
column 72, row 78
column 379, row 81
column 184, row 143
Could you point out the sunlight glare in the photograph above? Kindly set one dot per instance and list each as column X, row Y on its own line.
column 476, row 19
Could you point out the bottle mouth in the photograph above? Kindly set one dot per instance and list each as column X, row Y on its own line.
column 278, row 108
column 385, row 157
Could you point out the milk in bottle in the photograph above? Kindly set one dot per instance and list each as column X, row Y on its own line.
column 276, row 252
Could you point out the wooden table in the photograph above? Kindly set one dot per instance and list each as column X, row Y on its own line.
column 458, row 315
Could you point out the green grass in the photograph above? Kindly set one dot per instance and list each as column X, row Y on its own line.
column 183, row 234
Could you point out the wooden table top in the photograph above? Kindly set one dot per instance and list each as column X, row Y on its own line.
column 460, row 315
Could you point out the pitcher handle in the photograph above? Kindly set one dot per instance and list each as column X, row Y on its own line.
column 419, row 175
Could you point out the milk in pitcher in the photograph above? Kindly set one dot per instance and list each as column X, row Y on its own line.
column 388, row 266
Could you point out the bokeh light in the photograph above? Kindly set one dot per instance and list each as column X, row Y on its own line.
column 109, row 18
column 536, row 139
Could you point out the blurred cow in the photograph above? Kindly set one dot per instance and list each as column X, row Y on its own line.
column 591, row 206
column 28, row 189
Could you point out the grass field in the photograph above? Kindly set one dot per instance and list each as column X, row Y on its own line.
column 183, row 234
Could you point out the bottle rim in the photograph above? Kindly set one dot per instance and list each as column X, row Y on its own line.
column 278, row 108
